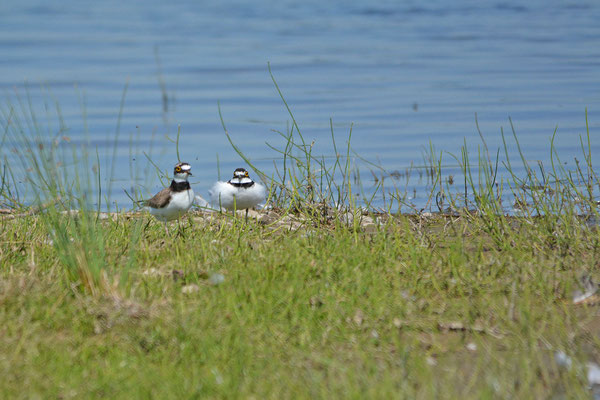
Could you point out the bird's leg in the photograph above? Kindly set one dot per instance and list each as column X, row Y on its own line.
column 234, row 207
column 246, row 215
column 179, row 228
column 146, row 227
column 166, row 228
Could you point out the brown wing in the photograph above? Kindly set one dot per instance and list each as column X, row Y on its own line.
column 160, row 200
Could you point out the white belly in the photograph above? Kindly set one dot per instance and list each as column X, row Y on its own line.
column 180, row 203
column 229, row 197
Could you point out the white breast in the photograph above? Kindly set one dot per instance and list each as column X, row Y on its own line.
column 180, row 203
column 227, row 196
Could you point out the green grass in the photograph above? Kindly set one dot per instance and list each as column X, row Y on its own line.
column 322, row 297
column 314, row 312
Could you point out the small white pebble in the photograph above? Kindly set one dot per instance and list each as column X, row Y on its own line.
column 187, row 289
column 218, row 377
column 358, row 318
column 593, row 374
column 471, row 346
column 216, row 279
column 562, row 359
column 151, row 272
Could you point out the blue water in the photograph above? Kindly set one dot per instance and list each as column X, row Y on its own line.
column 403, row 73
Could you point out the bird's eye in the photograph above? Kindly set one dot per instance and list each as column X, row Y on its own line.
column 246, row 174
column 177, row 169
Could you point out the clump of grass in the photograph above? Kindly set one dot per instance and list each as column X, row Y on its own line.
column 304, row 182
column 61, row 182
column 327, row 191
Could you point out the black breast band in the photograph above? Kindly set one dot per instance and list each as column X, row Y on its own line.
column 245, row 185
column 180, row 186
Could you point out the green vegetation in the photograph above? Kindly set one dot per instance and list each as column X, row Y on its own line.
column 419, row 307
column 318, row 297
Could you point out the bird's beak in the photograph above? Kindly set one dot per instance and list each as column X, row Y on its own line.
column 189, row 173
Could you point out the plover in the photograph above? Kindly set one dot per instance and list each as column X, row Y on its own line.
column 238, row 193
column 173, row 201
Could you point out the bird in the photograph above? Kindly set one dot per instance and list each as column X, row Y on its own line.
column 238, row 193
column 173, row 201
